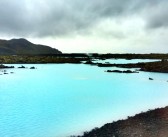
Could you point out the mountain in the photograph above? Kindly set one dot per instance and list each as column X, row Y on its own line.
column 23, row 46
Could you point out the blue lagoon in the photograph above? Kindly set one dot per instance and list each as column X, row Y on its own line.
column 59, row 100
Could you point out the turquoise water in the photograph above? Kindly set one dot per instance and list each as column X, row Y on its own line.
column 124, row 61
column 58, row 100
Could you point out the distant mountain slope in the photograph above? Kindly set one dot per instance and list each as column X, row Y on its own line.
column 23, row 46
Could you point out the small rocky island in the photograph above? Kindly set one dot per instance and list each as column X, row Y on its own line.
column 5, row 67
column 120, row 71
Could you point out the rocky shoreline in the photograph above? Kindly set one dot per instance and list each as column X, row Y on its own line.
column 153, row 123
column 40, row 59
column 158, row 66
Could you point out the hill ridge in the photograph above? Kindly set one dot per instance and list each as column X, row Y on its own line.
column 23, row 46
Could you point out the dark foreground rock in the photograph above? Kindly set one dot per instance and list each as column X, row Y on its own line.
column 149, row 124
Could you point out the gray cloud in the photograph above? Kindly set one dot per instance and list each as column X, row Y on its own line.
column 65, row 17
column 157, row 15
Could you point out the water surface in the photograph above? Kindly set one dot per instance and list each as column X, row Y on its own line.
column 58, row 100
column 123, row 61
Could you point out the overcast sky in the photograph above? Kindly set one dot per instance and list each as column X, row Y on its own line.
column 104, row 26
